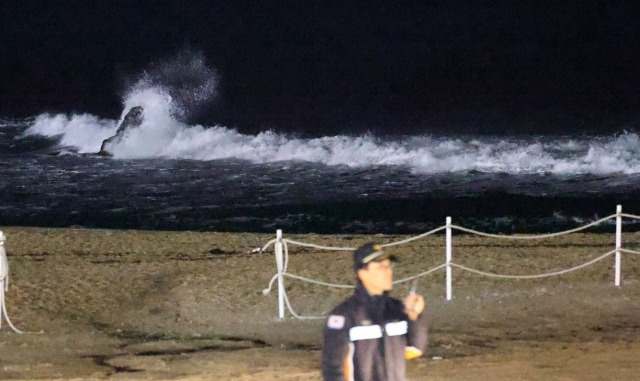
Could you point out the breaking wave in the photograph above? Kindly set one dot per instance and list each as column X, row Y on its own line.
column 163, row 136
column 172, row 90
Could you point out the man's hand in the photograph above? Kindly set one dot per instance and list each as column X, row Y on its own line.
column 413, row 306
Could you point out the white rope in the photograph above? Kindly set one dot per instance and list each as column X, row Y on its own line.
column 313, row 281
column 321, row 283
column 462, row 267
column 629, row 215
column 284, row 273
column 294, row 314
column 318, row 282
column 298, row 316
column 317, row 246
column 395, row 243
column 4, row 282
column 534, row 236
column 266, row 246
column 338, row 285
column 285, row 243
column 267, row 290
column 321, row 247
column 285, row 296
column 629, row 251
column 421, row 274
column 533, row 276
column 4, row 311
column 286, row 256
column 4, row 264
column 4, row 286
column 415, row 237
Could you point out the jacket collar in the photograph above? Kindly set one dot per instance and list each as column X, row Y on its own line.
column 363, row 296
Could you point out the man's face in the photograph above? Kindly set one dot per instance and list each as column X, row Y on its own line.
column 377, row 277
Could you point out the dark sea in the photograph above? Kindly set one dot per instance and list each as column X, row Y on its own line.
column 166, row 175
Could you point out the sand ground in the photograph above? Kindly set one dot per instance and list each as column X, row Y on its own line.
column 122, row 305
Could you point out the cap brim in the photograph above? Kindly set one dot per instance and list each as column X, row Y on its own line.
column 390, row 257
column 381, row 257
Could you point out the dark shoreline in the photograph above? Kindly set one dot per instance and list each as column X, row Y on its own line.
column 497, row 214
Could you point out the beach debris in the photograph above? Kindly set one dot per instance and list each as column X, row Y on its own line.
column 218, row 251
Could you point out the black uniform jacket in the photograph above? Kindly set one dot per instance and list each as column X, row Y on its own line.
column 366, row 339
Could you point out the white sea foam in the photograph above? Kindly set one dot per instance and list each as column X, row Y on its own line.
column 161, row 135
column 83, row 132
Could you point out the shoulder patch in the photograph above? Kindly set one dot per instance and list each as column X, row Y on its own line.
column 335, row 322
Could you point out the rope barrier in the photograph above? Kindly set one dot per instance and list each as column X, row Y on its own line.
column 630, row 216
column 284, row 293
column 449, row 263
column 297, row 316
column 421, row 274
column 284, row 273
column 461, row 228
column 534, row 236
column 533, row 276
column 337, row 285
column 321, row 283
column 629, row 251
column 317, row 246
column 266, row 246
column 313, row 281
column 6, row 315
column 4, row 283
column 4, row 265
column 414, row 238
column 462, row 267
column 320, row 247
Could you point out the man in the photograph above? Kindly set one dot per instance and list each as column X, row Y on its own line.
column 369, row 335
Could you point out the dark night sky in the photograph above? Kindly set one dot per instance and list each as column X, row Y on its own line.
column 319, row 66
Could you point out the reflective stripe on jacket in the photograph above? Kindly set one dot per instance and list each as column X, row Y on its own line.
column 366, row 338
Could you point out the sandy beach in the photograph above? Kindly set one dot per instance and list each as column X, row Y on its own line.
column 152, row 305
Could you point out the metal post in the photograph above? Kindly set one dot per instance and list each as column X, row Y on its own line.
column 280, row 264
column 448, row 253
column 618, row 242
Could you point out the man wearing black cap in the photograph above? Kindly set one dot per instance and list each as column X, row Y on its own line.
column 369, row 335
